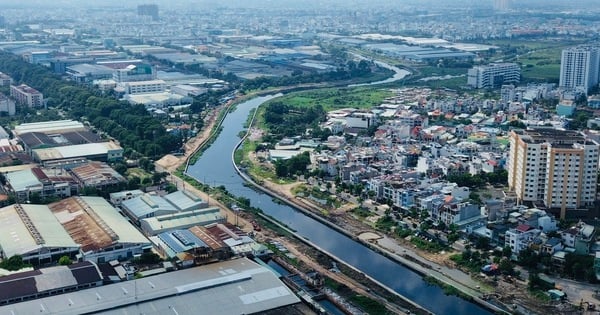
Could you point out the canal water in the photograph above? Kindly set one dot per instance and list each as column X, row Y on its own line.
column 215, row 168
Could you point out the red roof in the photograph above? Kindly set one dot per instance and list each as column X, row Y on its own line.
column 523, row 228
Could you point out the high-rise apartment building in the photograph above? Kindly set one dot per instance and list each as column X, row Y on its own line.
column 556, row 167
column 494, row 75
column 148, row 10
column 580, row 68
column 27, row 96
column 501, row 5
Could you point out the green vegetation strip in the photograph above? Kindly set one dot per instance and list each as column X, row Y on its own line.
column 369, row 305
column 336, row 98
column 448, row 289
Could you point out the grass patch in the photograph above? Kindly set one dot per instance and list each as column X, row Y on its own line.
column 336, row 98
column 369, row 305
column 137, row 172
column 540, row 295
column 385, row 223
column 432, row 246
column 361, row 212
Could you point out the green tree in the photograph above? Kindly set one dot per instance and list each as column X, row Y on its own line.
column 13, row 263
column 64, row 261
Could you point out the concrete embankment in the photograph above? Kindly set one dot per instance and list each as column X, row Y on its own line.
column 413, row 264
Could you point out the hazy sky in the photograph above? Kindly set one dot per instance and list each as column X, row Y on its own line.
column 290, row 3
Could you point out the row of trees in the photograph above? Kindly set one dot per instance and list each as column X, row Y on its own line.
column 132, row 125
column 479, row 180
column 347, row 71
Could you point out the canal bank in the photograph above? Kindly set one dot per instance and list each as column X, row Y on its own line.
column 418, row 264
column 212, row 168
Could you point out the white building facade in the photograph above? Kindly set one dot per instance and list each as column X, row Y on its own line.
column 579, row 68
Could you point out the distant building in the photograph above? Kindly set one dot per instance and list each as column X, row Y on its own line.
column 580, row 68
column 593, row 101
column 501, row 5
column 181, row 220
column 148, row 10
column 44, row 182
column 103, row 151
column 86, row 73
column 50, row 127
column 7, row 105
column 494, row 75
column 135, row 72
column 27, row 96
column 98, row 175
column 520, row 237
column 566, row 108
column 117, row 198
column 556, row 167
column 146, row 205
column 5, row 79
column 507, row 94
column 144, row 87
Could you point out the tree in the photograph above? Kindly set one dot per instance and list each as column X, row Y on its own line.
column 64, row 261
column 506, row 251
column 528, row 258
column 506, row 266
column 13, row 263
column 148, row 258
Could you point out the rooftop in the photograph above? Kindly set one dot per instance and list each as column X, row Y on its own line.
column 94, row 224
column 78, row 150
column 47, row 279
column 96, row 174
column 49, row 127
column 182, row 220
column 238, row 286
column 27, row 228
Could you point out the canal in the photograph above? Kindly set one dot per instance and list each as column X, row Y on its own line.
column 215, row 168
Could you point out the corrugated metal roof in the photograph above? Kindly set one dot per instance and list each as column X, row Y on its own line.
column 231, row 287
column 49, row 127
column 72, row 151
column 17, row 238
column 185, row 200
column 94, row 223
column 181, row 220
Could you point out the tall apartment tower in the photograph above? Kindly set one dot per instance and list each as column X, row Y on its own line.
column 501, row 5
column 148, row 10
column 580, row 68
column 555, row 167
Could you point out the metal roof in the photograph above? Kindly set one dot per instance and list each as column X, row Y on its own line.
column 238, row 286
column 178, row 241
column 94, row 223
column 22, row 180
column 72, row 151
column 27, row 228
column 29, row 283
column 181, row 220
column 48, row 127
column 140, row 207
column 185, row 200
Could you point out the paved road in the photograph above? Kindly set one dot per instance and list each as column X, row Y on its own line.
column 454, row 277
column 577, row 291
